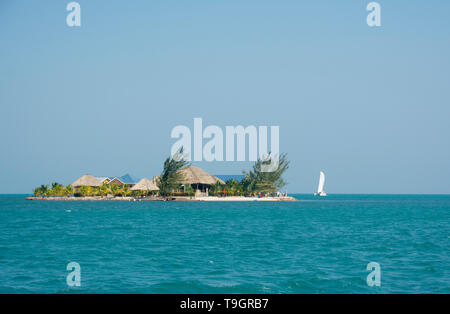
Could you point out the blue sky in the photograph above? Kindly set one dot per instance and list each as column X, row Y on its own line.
column 369, row 106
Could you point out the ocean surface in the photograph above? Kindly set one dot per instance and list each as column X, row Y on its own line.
column 316, row 245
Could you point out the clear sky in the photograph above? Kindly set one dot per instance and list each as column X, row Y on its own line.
column 369, row 106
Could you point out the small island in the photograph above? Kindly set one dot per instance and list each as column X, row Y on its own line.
column 179, row 181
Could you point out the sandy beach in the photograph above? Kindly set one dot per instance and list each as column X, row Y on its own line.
column 246, row 199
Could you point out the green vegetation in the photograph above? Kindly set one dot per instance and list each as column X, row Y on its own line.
column 255, row 180
column 41, row 191
column 266, row 182
column 68, row 190
column 114, row 189
column 190, row 191
column 104, row 190
column 56, row 190
column 170, row 178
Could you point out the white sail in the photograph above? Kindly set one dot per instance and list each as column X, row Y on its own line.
column 321, row 183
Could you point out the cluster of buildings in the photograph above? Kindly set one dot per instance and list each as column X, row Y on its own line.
column 91, row 181
column 194, row 176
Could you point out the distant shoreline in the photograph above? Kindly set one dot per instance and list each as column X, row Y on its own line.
column 175, row 198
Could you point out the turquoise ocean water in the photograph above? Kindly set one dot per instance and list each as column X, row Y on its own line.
column 316, row 245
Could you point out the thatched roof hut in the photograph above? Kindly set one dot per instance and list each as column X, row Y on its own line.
column 195, row 175
column 87, row 180
column 145, row 185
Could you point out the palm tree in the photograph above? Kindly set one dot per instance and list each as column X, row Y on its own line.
column 234, row 187
column 104, row 190
column 126, row 190
column 189, row 190
column 57, row 189
column 114, row 189
column 170, row 177
column 37, row 191
column 266, row 182
column 43, row 189
column 217, row 188
column 68, row 190
column 95, row 190
column 85, row 190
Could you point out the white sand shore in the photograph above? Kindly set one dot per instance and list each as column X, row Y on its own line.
column 183, row 198
column 244, row 199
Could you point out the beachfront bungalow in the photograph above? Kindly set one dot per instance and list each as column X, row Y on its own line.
column 115, row 181
column 123, row 180
column 145, row 185
column 87, row 180
column 199, row 179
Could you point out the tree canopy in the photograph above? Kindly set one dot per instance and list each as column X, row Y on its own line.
column 171, row 177
column 266, row 181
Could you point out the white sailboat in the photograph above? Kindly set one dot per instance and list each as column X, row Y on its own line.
column 320, row 191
